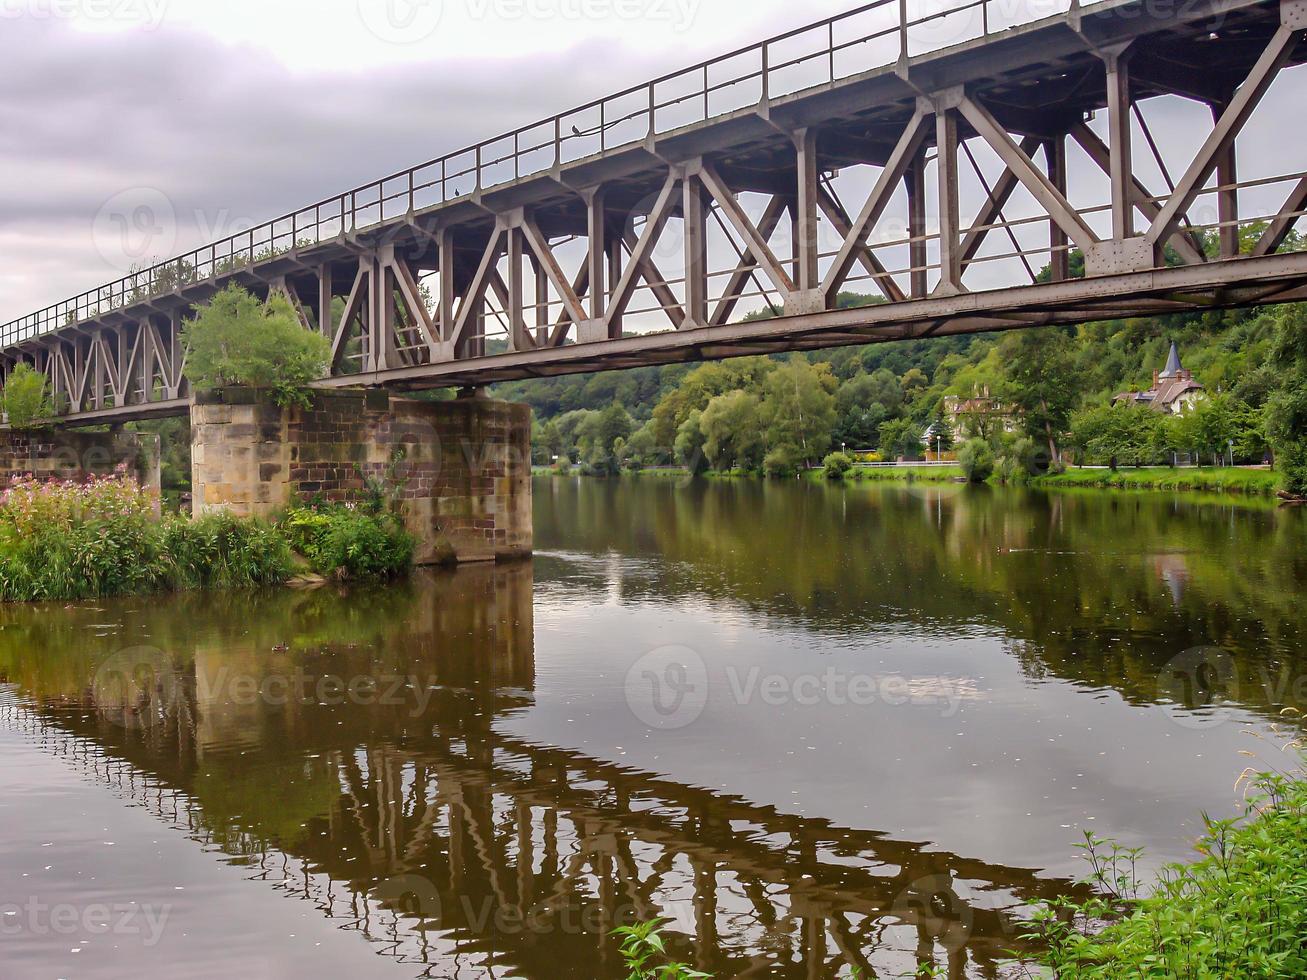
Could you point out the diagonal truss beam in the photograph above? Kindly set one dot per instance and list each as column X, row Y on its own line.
column 1036, row 182
column 744, row 270
column 1278, row 230
column 1142, row 199
column 746, row 229
column 991, row 212
column 900, row 159
column 840, row 221
column 1232, row 120
column 548, row 264
column 640, row 251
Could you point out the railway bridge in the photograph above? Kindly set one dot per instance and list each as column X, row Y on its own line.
column 963, row 167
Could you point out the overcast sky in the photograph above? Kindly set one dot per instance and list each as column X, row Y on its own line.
column 222, row 114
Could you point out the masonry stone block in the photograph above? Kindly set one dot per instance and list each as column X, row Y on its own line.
column 461, row 470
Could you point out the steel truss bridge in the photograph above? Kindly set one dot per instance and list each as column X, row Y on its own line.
column 968, row 169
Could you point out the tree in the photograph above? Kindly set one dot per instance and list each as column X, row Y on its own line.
column 26, row 397
column 237, row 340
column 862, row 404
column 977, row 460
column 546, row 442
column 699, row 387
column 1287, row 408
column 601, row 436
column 1040, row 370
column 900, row 438
column 732, row 432
column 690, row 443
column 798, row 411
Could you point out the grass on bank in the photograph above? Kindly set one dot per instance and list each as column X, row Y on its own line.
column 67, row 541
column 1223, row 480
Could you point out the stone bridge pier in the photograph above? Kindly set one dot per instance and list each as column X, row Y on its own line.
column 58, row 453
column 459, row 471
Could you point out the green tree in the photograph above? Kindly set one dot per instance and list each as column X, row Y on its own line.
column 1287, row 409
column 901, row 438
column 732, row 431
column 690, row 443
column 601, row 438
column 26, row 397
column 1041, row 376
column 237, row 340
column 798, row 411
column 976, row 458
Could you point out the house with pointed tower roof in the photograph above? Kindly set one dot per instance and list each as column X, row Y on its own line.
column 1174, row 389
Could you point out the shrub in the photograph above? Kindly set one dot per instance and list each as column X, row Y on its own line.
column 1239, row 912
column 782, row 461
column 65, row 540
column 838, row 466
column 219, row 551
column 349, row 542
column 977, row 460
column 26, row 397
column 238, row 340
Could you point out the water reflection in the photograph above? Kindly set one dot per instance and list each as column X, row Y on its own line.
column 430, row 765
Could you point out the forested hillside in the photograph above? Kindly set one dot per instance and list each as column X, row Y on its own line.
column 777, row 414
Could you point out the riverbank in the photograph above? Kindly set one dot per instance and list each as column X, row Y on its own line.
column 1239, row 481
column 1241, row 911
column 67, row 541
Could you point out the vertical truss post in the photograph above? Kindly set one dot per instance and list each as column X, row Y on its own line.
column 946, row 163
column 1227, row 196
column 326, row 325
column 915, row 183
column 445, row 301
column 517, row 339
column 1059, row 263
column 542, row 320
column 696, row 253
column 1118, row 124
column 806, row 273
column 596, row 232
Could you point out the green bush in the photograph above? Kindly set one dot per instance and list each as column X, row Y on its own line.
column 977, row 460
column 219, row 551
column 64, row 541
column 238, row 340
column 1239, row 912
column 837, row 466
column 26, row 397
column 349, row 542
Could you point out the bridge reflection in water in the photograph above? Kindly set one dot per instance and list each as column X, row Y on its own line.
column 398, row 807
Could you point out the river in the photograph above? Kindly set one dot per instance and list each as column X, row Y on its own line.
column 816, row 728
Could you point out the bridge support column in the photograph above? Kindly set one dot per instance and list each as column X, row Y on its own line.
column 458, row 471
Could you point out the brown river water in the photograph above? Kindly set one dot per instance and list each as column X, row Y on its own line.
column 817, row 729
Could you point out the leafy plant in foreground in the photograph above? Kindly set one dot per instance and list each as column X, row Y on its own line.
column 1241, row 911
column 645, row 954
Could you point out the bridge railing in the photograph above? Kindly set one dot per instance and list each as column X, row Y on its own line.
column 871, row 36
